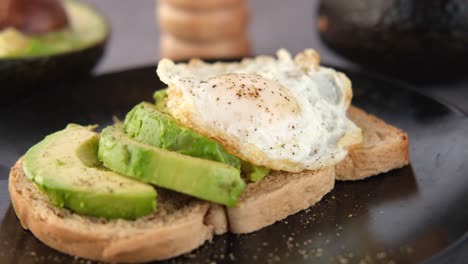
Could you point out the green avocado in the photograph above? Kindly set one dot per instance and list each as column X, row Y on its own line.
column 253, row 172
column 160, row 97
column 65, row 166
column 27, row 62
column 205, row 179
column 87, row 27
column 147, row 125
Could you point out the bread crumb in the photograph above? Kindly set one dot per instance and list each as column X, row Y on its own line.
column 342, row 260
column 319, row 252
column 232, row 257
column 381, row 255
column 409, row 250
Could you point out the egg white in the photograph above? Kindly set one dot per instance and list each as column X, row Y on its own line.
column 286, row 114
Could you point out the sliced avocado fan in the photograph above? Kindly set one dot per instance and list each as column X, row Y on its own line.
column 147, row 125
column 65, row 167
column 151, row 125
column 201, row 178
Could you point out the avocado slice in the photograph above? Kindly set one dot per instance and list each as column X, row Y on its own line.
column 147, row 125
column 205, row 179
column 65, row 166
column 67, row 54
column 151, row 125
column 160, row 97
column 254, row 172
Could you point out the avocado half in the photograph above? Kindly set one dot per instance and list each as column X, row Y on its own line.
column 411, row 39
column 76, row 52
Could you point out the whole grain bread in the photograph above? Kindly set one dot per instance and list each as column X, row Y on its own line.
column 180, row 225
column 183, row 223
column 277, row 196
column 384, row 148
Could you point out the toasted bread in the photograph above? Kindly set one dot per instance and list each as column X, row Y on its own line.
column 277, row 196
column 180, row 225
column 384, row 148
column 281, row 194
column 183, row 223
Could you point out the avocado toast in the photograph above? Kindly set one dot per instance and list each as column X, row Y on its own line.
column 282, row 193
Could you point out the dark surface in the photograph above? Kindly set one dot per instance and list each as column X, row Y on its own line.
column 20, row 76
column 422, row 40
column 406, row 215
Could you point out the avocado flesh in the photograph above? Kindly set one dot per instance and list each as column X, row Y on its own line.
column 65, row 167
column 204, row 179
column 254, row 172
column 160, row 100
column 143, row 119
column 88, row 28
column 147, row 125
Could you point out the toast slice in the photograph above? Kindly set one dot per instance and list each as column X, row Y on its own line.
column 384, row 148
column 277, row 196
column 280, row 194
column 180, row 225
column 183, row 223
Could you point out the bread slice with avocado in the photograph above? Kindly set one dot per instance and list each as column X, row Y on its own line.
column 110, row 217
column 182, row 223
column 227, row 169
column 280, row 194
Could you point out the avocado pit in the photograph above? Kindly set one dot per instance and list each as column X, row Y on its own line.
column 33, row 17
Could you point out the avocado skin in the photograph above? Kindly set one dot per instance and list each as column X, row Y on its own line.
column 204, row 179
column 21, row 75
column 147, row 125
column 55, row 165
column 413, row 39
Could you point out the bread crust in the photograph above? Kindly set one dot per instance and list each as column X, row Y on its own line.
column 209, row 26
column 178, row 49
column 384, row 148
column 112, row 240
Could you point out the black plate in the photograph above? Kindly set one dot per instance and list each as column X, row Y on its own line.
column 408, row 215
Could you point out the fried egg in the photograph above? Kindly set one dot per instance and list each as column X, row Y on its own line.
column 282, row 113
